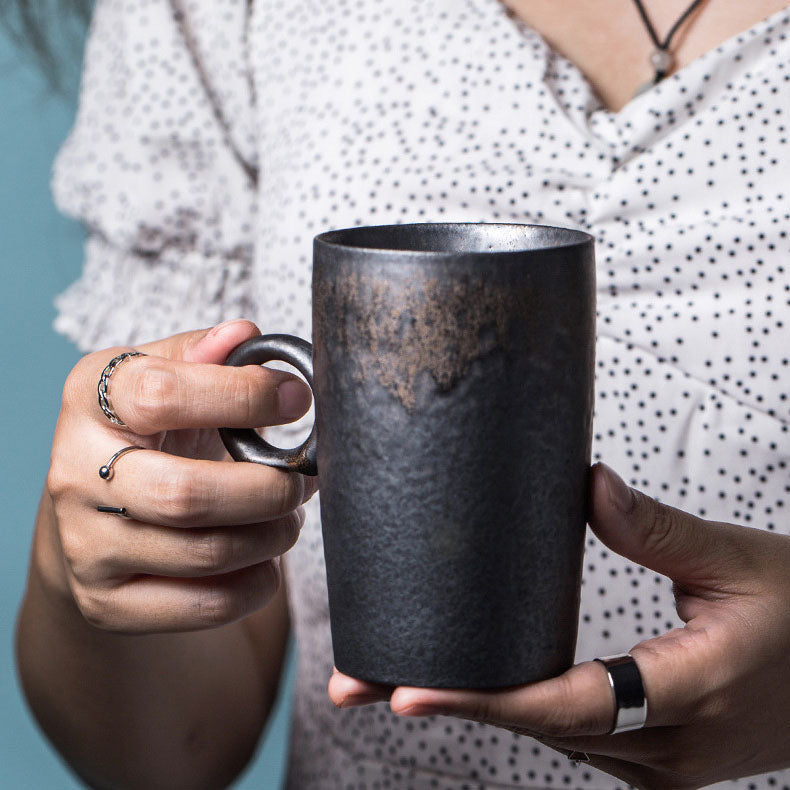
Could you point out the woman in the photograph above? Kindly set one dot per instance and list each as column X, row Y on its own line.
column 213, row 141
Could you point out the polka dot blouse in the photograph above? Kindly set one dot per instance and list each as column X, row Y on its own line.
column 216, row 137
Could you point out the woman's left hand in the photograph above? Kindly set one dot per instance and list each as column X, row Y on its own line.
column 718, row 689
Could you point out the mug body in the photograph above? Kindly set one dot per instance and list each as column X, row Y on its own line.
column 453, row 377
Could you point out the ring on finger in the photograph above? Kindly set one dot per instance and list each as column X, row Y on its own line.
column 106, row 472
column 628, row 692
column 114, row 511
column 104, row 400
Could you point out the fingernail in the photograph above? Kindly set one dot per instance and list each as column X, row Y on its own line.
column 417, row 710
column 358, row 699
column 620, row 495
column 220, row 328
column 293, row 399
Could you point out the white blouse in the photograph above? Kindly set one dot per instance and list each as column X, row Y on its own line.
column 215, row 138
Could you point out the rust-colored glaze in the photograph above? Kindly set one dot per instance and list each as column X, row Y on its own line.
column 438, row 328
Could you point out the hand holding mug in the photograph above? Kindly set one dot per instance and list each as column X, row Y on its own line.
column 201, row 542
column 717, row 690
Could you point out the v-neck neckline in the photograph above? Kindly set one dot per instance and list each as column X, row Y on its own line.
column 681, row 75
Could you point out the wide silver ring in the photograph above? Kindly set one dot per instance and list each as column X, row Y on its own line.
column 628, row 691
column 104, row 400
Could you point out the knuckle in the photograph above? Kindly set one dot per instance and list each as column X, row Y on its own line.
column 571, row 720
column 251, row 392
column 286, row 492
column 156, row 393
column 566, row 717
column 58, row 483
column 482, row 710
column 216, row 605
column 581, row 722
column 87, row 562
column 212, row 550
column 222, row 604
column 75, row 552
column 662, row 524
column 280, row 535
column 291, row 530
column 183, row 498
column 247, row 395
column 94, row 604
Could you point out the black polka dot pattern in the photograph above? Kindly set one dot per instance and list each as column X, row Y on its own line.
column 211, row 145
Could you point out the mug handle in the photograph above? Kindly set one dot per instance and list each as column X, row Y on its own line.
column 244, row 444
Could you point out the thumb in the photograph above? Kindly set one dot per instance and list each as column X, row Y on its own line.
column 204, row 345
column 667, row 540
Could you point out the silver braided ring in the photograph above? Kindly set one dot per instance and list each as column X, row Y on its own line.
column 630, row 703
column 106, row 472
column 104, row 400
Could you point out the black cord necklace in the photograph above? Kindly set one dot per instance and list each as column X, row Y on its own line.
column 661, row 59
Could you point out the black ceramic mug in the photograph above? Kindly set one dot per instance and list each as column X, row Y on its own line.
column 452, row 370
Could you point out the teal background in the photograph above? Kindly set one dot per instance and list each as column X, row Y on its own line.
column 40, row 254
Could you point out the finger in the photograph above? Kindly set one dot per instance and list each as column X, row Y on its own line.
column 577, row 702
column 129, row 547
column 346, row 692
column 152, row 604
column 675, row 670
column 676, row 674
column 162, row 489
column 667, row 540
column 151, row 394
column 203, row 345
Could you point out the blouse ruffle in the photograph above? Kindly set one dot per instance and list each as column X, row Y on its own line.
column 124, row 298
column 167, row 199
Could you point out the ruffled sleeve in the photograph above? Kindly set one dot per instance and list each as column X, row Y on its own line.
column 161, row 170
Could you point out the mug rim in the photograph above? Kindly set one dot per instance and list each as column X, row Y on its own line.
column 574, row 238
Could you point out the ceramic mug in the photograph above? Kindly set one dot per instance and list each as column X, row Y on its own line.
column 452, row 370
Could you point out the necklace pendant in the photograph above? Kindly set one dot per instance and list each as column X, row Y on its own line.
column 662, row 61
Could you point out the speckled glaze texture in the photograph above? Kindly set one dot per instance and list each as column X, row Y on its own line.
column 454, row 391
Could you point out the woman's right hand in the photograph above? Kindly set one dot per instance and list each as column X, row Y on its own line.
column 201, row 545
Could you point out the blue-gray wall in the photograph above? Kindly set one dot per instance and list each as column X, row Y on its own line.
column 40, row 253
